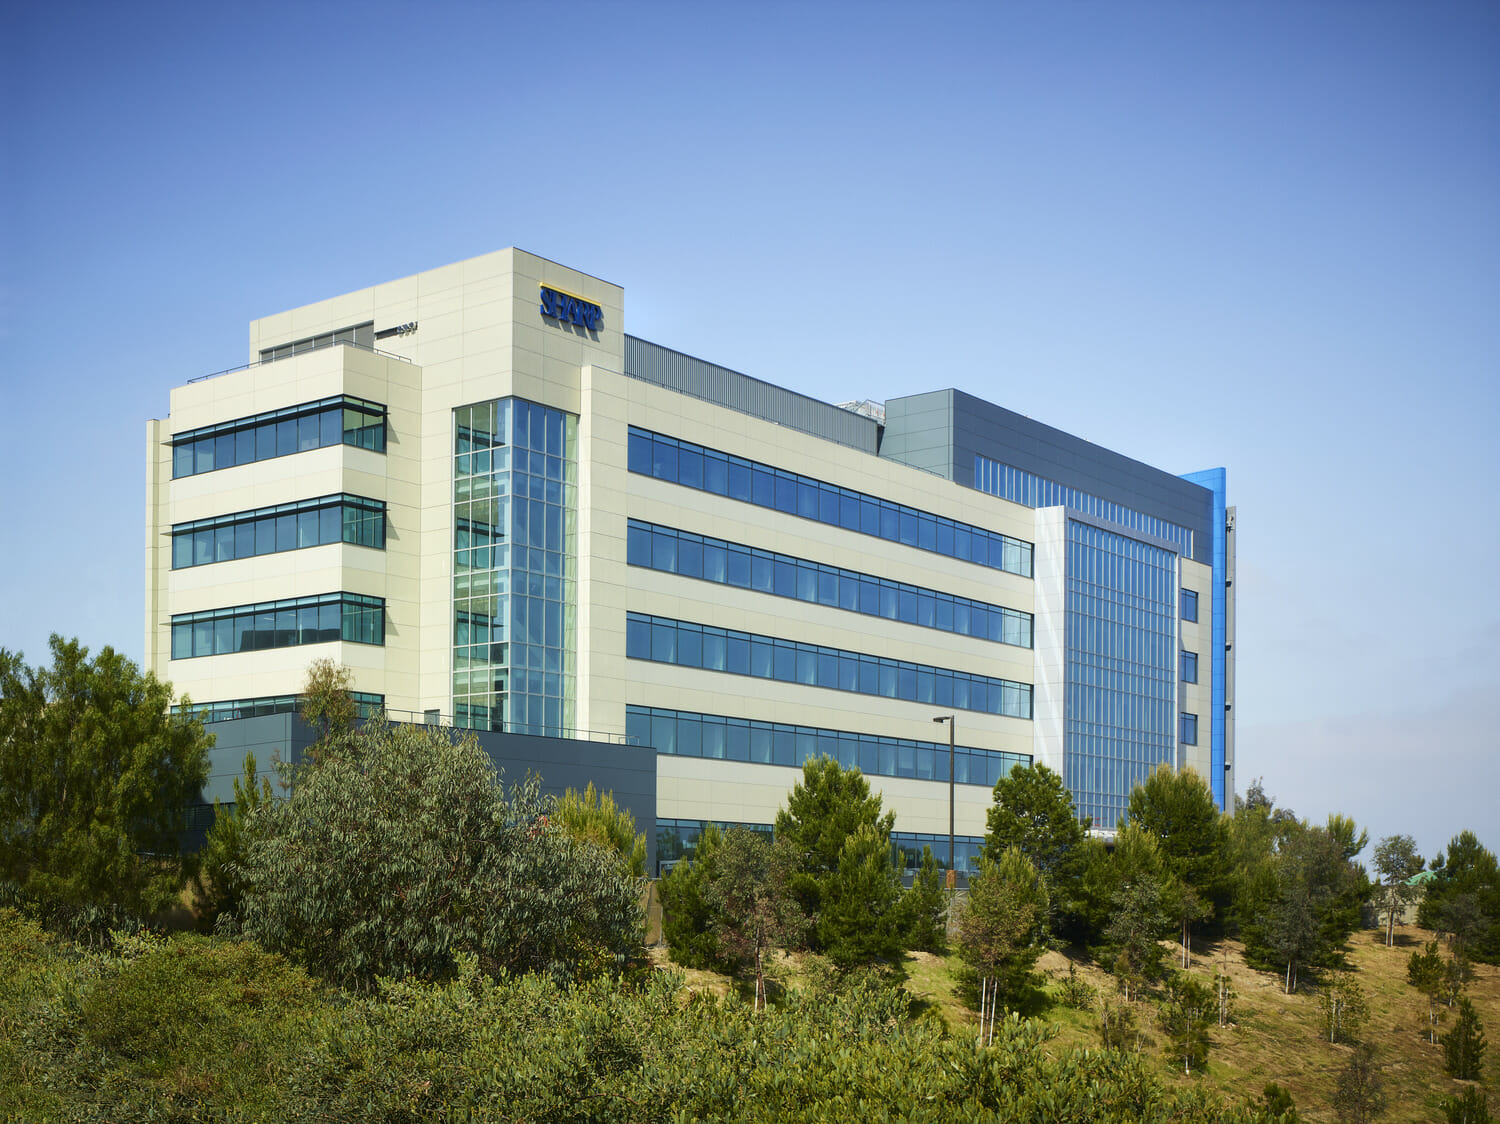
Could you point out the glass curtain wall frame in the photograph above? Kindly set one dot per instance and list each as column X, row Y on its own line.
column 515, row 505
column 1120, row 623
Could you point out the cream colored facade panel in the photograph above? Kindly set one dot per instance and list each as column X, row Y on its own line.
column 694, row 788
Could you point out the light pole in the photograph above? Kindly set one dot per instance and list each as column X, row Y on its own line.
column 952, row 870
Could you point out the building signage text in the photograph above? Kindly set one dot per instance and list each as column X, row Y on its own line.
column 571, row 310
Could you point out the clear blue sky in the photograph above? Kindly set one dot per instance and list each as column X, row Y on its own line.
column 1260, row 235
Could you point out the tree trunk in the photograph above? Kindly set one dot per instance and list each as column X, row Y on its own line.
column 760, row 980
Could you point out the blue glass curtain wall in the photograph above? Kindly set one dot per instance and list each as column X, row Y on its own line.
column 270, row 530
column 708, row 470
column 296, row 429
column 514, row 565
column 366, row 705
column 780, row 743
column 1020, row 486
column 279, row 624
column 715, row 560
column 765, row 657
column 1121, row 628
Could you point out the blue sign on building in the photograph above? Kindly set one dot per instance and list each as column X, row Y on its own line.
column 560, row 306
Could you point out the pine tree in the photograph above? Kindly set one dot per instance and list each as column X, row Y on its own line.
column 1425, row 971
column 1463, row 1046
column 1186, row 1012
column 1471, row 1106
column 923, row 907
column 1359, row 1093
column 598, row 819
column 1344, row 1007
column 846, row 877
column 1178, row 810
column 220, row 883
column 96, row 776
column 1001, row 925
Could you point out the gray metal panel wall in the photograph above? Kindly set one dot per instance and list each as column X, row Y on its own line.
column 919, row 432
column 696, row 378
column 951, row 426
column 629, row 771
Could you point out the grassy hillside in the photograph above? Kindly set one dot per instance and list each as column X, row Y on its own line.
column 1273, row 1037
column 1280, row 1038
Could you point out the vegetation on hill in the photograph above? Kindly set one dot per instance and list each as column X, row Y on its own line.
column 400, row 938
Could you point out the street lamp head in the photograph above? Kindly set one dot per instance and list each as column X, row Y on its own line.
column 943, row 718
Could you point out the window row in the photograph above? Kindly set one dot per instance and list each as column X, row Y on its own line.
column 360, row 335
column 366, row 706
column 279, row 624
column 697, row 556
column 506, row 422
column 288, row 526
column 677, row 841
column 482, row 526
column 296, row 429
column 708, row 470
column 777, row 743
column 966, row 849
column 764, row 657
column 1020, row 486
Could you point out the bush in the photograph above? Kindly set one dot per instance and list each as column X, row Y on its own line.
column 398, row 850
column 271, row 1046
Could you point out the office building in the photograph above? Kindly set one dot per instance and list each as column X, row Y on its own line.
column 476, row 491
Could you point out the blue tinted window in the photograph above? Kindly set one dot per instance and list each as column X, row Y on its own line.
column 739, row 479
column 786, row 494
column 715, row 473
column 640, row 452
column 278, row 624
column 1189, row 731
column 1189, row 605
column 281, row 433
column 690, row 467
column 670, row 731
column 637, row 638
column 695, row 467
column 1190, row 667
column 683, row 644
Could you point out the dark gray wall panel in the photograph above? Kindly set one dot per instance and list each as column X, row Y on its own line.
column 652, row 363
column 1003, row 435
column 629, row 771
